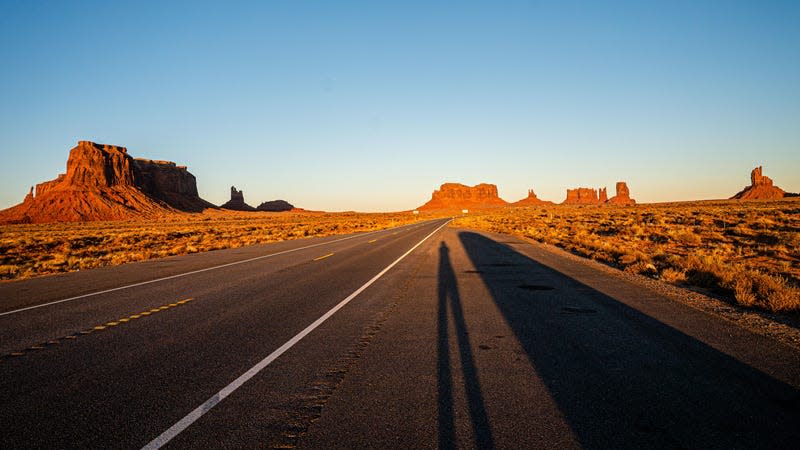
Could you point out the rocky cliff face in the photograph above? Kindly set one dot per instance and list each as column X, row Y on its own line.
column 236, row 202
column 103, row 182
column 581, row 196
column 589, row 196
column 459, row 196
column 761, row 188
column 275, row 206
column 531, row 200
column 169, row 183
column 623, row 196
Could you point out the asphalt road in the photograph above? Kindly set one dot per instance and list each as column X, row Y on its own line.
column 381, row 340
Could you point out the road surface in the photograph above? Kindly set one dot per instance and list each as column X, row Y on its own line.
column 420, row 336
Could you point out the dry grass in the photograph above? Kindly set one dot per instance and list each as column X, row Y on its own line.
column 32, row 250
column 748, row 252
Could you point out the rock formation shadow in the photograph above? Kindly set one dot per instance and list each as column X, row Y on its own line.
column 621, row 378
column 449, row 298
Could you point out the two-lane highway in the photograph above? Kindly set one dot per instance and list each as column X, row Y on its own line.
column 421, row 336
column 121, row 367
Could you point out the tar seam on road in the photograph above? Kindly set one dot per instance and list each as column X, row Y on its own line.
column 198, row 412
column 111, row 323
column 192, row 272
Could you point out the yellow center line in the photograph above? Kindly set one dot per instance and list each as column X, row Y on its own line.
column 374, row 240
column 323, row 256
column 112, row 323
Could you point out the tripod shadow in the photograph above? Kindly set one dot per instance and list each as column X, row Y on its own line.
column 450, row 299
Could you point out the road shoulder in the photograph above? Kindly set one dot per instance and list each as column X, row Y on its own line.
column 785, row 329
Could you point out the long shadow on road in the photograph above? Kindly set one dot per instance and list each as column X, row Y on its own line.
column 449, row 297
column 624, row 379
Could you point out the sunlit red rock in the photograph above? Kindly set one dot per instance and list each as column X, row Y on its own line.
column 581, row 196
column 761, row 188
column 103, row 182
column 459, row 196
column 623, row 196
column 531, row 200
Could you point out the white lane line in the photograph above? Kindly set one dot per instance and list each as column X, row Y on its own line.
column 190, row 273
column 192, row 417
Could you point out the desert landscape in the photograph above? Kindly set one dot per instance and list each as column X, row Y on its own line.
column 746, row 252
column 110, row 209
column 399, row 225
column 39, row 249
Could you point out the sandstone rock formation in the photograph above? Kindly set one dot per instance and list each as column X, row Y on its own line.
column 459, row 196
column 582, row 196
column 29, row 197
column 623, row 196
column 275, row 206
column 531, row 200
column 103, row 182
column 236, row 202
column 761, row 188
column 589, row 196
column 169, row 183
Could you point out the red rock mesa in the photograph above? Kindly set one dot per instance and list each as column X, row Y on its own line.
column 459, row 196
column 103, row 182
column 589, row 196
column 275, row 206
column 581, row 196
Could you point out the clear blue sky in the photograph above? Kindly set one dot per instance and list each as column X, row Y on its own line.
column 370, row 106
